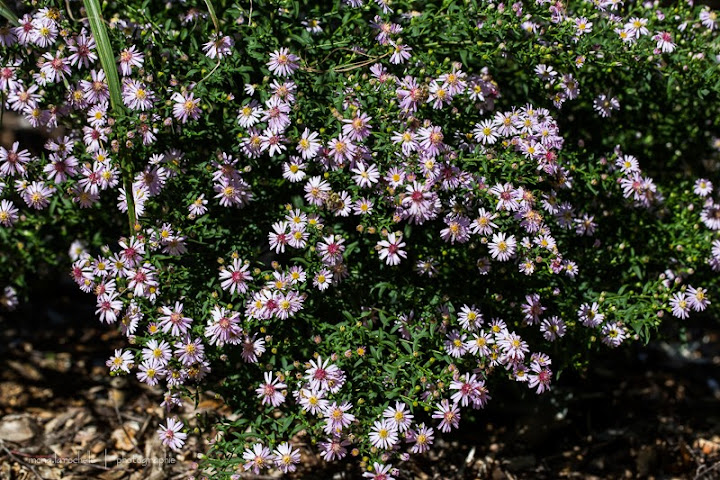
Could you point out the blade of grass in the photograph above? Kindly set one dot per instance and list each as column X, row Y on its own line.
column 107, row 60
column 213, row 15
column 9, row 14
column 104, row 49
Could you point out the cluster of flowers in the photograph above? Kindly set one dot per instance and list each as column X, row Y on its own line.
column 628, row 29
column 643, row 193
column 415, row 174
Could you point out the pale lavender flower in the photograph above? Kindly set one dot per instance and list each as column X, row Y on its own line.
column 185, row 107
column 283, row 63
column 171, row 435
column 271, row 391
column 448, row 414
column 130, row 58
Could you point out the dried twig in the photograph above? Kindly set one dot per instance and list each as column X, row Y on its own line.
column 703, row 470
column 20, row 461
column 127, row 434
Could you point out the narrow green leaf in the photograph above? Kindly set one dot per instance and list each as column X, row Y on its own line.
column 9, row 14
column 107, row 59
column 213, row 15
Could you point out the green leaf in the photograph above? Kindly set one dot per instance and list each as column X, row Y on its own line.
column 107, row 59
column 9, row 14
column 213, row 15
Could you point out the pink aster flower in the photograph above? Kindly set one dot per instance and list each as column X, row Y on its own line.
column 272, row 141
column 507, row 197
column 337, row 417
column 60, row 169
column 190, row 351
column 331, row 249
column 224, row 327
column 680, row 306
column 468, row 388
column 532, row 309
column 401, row 53
column 257, row 458
column 308, row 145
column 159, row 351
column 8, row 213
column 234, row 278
column 151, row 371
column 279, row 237
column 399, row 416
column 365, row 176
column 390, row 249
column 55, row 68
column 697, row 298
column 108, row 305
column 664, row 42
column 418, row 202
column 333, row 448
column 82, row 47
column 285, row 458
column 342, row 149
column 253, row 348
column 271, row 391
column 431, row 140
column 539, row 377
column 170, row 434
column 37, row 195
column 23, row 98
column 96, row 89
column 283, row 63
column 383, row 435
column 137, row 96
column 502, row 247
column 277, row 114
column 219, row 46
column 379, row 472
column 130, row 58
column 12, row 162
column 613, row 334
column 173, row 321
column 122, row 360
column 185, row 107
column 448, row 414
column 423, row 438
column 320, row 372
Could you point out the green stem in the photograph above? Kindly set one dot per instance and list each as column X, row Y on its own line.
column 127, row 185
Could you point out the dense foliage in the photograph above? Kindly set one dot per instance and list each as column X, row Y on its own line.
column 350, row 220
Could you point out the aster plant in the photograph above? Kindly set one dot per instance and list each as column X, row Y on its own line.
column 350, row 220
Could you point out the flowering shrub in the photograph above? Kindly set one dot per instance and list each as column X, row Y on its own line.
column 351, row 220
